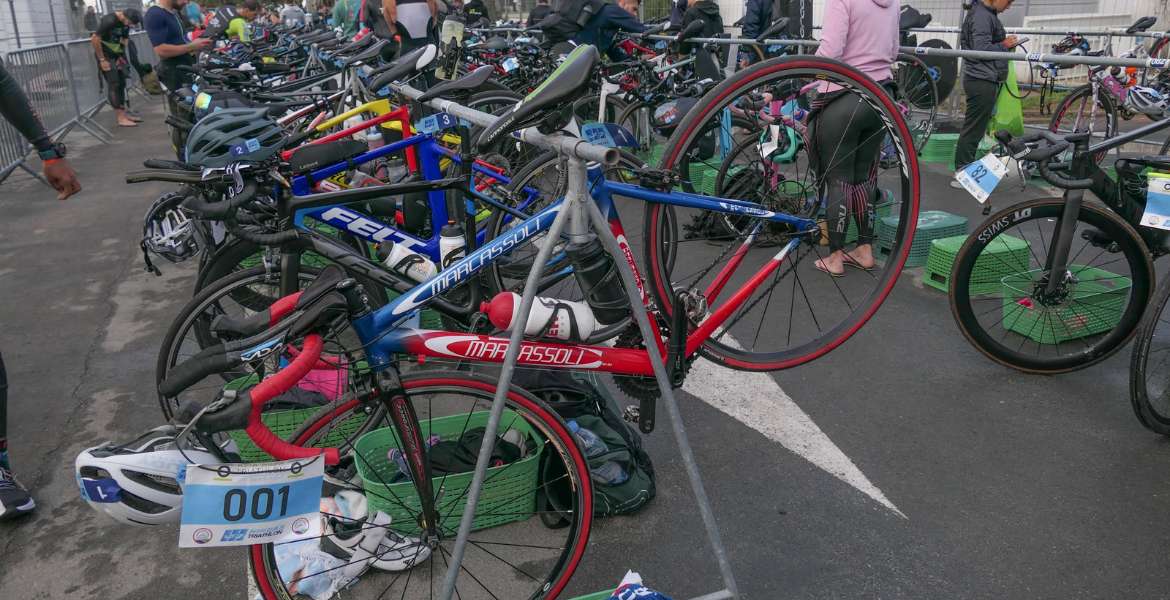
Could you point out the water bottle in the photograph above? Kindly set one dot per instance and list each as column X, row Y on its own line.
column 354, row 122
column 631, row 588
column 593, row 445
column 550, row 317
column 610, row 473
column 403, row 261
column 452, row 246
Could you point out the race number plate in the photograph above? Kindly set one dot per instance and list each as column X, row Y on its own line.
column 254, row 503
column 436, row 123
column 1157, row 213
column 980, row 177
column 608, row 135
column 510, row 64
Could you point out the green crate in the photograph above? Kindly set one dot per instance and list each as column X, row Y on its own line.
column 509, row 492
column 284, row 423
column 932, row 225
column 1095, row 304
column 1004, row 256
column 595, row 596
column 940, row 148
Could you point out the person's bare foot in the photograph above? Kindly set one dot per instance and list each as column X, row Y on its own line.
column 126, row 123
column 135, row 118
column 833, row 264
column 861, row 256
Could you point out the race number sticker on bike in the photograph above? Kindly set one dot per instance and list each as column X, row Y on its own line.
column 980, row 177
column 1157, row 212
column 255, row 503
column 437, row 122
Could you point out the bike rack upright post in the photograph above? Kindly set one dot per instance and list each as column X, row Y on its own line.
column 582, row 217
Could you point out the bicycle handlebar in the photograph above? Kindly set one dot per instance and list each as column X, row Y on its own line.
column 276, row 385
column 1027, row 148
column 219, row 211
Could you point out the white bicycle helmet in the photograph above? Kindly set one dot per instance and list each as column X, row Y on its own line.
column 1148, row 100
column 167, row 230
column 138, row 483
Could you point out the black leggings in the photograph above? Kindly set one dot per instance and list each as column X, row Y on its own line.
column 116, row 85
column 847, row 138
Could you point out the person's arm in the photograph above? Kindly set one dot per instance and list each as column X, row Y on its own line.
column 981, row 28
column 16, row 109
column 623, row 20
column 390, row 12
column 95, row 40
column 434, row 6
column 835, row 33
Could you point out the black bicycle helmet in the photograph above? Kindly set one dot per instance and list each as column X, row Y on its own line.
column 233, row 135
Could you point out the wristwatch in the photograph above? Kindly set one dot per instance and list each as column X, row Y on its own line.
column 54, row 152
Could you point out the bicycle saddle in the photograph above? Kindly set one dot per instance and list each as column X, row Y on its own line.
column 459, row 88
column 570, row 81
column 690, row 31
column 408, row 64
column 496, row 43
column 368, row 54
column 778, row 26
column 1141, row 25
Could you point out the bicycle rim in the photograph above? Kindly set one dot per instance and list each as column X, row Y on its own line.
column 788, row 319
column 510, row 554
column 1001, row 302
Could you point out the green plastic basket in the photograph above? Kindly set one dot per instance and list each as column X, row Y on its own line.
column 932, row 225
column 1094, row 306
column 284, row 423
column 940, row 149
column 509, row 491
column 1004, row 256
column 595, row 596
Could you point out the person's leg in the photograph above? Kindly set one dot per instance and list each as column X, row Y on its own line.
column 847, row 139
column 981, row 96
column 14, row 499
column 116, row 94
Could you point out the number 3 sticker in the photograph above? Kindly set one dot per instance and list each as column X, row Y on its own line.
column 255, row 503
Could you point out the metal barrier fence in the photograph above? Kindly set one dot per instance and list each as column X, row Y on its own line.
column 66, row 89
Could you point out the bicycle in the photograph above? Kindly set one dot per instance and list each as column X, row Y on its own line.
column 1018, row 295
column 689, row 328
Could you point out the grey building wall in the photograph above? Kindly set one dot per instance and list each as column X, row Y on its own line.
column 25, row 23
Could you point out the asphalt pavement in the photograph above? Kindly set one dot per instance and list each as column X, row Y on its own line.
column 996, row 484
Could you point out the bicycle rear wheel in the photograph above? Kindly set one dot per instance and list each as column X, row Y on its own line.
column 999, row 297
column 510, row 554
column 1079, row 112
column 796, row 313
column 1149, row 370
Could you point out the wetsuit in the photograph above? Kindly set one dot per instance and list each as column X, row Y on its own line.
column 113, row 33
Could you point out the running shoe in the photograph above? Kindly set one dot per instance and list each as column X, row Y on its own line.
column 14, row 499
column 395, row 552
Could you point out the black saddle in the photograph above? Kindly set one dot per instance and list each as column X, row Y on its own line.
column 410, row 63
column 461, row 88
column 570, row 81
column 1141, row 25
column 778, row 26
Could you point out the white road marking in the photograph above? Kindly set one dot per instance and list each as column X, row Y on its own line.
column 756, row 400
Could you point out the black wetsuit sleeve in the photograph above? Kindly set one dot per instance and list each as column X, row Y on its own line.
column 15, row 107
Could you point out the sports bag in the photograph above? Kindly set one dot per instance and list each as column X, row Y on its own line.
column 582, row 397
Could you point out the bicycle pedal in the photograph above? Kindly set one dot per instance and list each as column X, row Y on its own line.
column 631, row 414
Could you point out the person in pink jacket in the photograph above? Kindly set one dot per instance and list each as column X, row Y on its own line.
column 845, row 133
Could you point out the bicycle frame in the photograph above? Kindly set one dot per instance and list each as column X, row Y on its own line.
column 381, row 334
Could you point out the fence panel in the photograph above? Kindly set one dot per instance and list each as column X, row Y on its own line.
column 44, row 74
column 85, row 76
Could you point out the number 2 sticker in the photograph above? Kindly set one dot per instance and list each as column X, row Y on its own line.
column 255, row 503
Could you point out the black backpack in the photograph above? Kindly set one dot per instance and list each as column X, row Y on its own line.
column 569, row 17
column 583, row 398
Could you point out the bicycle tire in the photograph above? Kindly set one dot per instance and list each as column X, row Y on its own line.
column 977, row 333
column 692, row 126
column 190, row 318
column 1140, row 394
column 552, row 429
column 1081, row 94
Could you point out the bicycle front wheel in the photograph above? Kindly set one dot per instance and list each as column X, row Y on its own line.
column 510, row 554
column 771, row 280
column 1003, row 304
